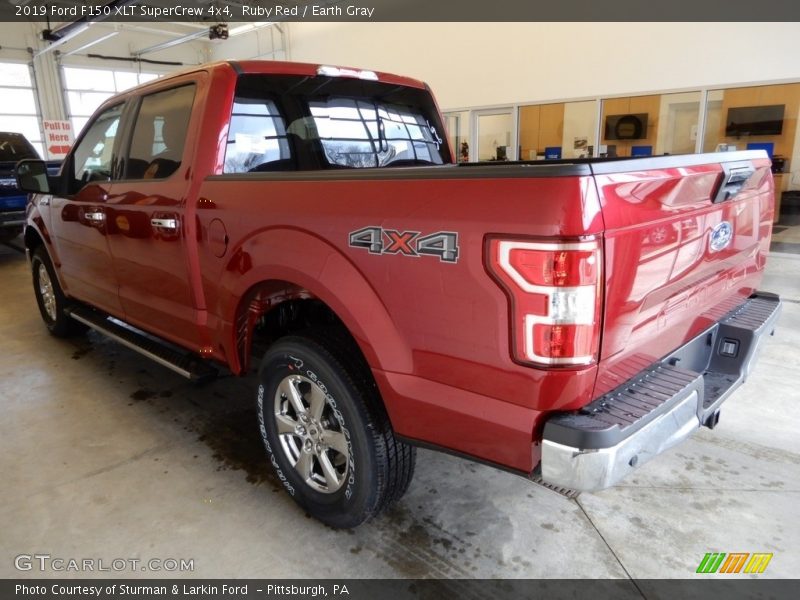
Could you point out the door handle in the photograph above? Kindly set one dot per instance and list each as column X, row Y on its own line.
column 164, row 223
column 95, row 217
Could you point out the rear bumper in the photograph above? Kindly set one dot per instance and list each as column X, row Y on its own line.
column 662, row 405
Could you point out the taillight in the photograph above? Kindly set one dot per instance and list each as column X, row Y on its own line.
column 554, row 290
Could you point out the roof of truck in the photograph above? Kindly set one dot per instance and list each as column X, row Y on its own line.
column 278, row 68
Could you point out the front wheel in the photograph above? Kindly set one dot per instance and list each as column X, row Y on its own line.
column 326, row 432
column 50, row 297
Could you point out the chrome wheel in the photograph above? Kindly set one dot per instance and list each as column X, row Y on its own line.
column 46, row 292
column 311, row 436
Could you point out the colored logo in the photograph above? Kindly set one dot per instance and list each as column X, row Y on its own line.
column 737, row 562
column 721, row 236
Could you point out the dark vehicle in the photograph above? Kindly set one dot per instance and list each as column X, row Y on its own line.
column 13, row 148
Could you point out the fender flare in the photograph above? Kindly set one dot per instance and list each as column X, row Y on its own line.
column 312, row 264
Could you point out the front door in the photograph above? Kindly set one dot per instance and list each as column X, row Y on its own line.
column 79, row 217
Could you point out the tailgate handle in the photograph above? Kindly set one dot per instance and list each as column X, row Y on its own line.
column 734, row 176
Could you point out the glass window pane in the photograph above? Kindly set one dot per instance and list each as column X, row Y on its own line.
column 160, row 133
column 85, row 103
column 89, row 79
column 93, row 159
column 27, row 126
column 650, row 125
column 125, row 80
column 78, row 124
column 494, row 136
column 457, row 125
column 14, row 74
column 739, row 118
column 17, row 101
column 145, row 77
column 355, row 124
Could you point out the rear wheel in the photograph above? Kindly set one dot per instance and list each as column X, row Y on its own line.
column 50, row 298
column 326, row 432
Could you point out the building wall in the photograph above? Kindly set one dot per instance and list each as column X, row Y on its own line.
column 483, row 64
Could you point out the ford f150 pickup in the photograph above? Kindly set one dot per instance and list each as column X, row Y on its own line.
column 566, row 320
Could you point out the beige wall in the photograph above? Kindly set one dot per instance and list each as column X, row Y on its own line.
column 480, row 64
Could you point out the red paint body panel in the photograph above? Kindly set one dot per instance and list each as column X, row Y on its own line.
column 664, row 284
column 436, row 334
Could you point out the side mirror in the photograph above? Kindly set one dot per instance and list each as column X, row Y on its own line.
column 32, row 176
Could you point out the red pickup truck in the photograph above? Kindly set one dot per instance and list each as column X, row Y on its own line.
column 565, row 320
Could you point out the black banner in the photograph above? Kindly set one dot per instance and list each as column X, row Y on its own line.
column 221, row 11
column 707, row 588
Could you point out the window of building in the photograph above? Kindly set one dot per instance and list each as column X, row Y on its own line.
column 655, row 124
column 18, row 109
column 558, row 130
column 457, row 125
column 763, row 117
column 86, row 89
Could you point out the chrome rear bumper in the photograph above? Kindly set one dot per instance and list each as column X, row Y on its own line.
column 596, row 447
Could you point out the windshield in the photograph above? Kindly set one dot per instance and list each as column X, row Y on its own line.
column 283, row 123
column 14, row 147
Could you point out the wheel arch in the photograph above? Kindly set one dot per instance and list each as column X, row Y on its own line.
column 268, row 271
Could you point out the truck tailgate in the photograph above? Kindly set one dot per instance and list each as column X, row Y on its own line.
column 686, row 241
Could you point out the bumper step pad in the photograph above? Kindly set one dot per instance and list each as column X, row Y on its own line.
column 596, row 446
column 622, row 412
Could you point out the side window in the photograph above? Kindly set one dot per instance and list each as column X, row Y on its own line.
column 159, row 134
column 94, row 159
column 257, row 137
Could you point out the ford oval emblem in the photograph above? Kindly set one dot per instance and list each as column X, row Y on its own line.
column 721, row 236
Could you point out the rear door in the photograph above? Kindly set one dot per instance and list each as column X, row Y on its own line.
column 148, row 226
column 79, row 217
column 686, row 241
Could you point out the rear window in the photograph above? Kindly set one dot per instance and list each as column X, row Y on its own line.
column 294, row 123
column 14, row 147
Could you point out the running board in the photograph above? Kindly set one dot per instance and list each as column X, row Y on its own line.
column 183, row 363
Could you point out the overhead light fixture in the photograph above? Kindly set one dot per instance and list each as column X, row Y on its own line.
column 218, row 32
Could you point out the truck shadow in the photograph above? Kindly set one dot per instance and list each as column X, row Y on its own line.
column 453, row 534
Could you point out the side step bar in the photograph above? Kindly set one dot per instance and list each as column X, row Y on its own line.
column 163, row 353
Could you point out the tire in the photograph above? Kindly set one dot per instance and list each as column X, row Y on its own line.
column 336, row 453
column 50, row 298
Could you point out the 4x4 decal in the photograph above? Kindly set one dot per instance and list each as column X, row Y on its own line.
column 376, row 240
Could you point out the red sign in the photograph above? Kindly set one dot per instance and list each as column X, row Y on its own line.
column 58, row 138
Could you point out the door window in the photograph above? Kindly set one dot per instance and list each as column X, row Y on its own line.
column 159, row 134
column 94, row 158
column 257, row 139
